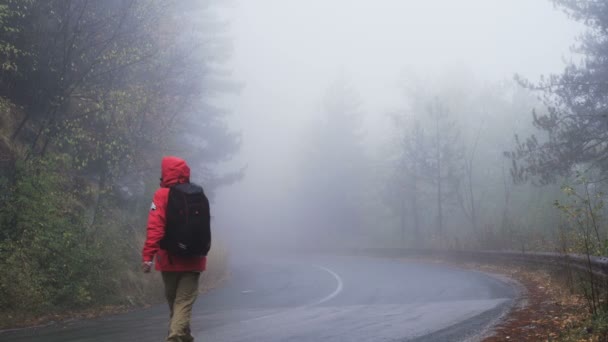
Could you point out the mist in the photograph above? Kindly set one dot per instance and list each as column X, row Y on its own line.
column 322, row 170
column 392, row 54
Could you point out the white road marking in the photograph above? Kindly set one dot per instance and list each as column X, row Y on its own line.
column 339, row 287
column 336, row 292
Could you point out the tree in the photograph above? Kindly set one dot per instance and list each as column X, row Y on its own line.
column 467, row 190
column 409, row 173
column 334, row 167
column 201, row 133
column 92, row 93
column 446, row 153
column 574, row 128
column 428, row 165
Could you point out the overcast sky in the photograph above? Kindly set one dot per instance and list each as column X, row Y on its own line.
column 287, row 52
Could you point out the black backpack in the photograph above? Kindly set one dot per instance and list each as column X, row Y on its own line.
column 188, row 221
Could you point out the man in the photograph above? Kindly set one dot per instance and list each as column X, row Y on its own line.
column 180, row 273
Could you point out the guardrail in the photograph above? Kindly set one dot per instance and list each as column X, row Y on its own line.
column 599, row 265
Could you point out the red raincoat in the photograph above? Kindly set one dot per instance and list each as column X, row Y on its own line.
column 174, row 171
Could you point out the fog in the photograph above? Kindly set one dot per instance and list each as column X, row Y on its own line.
column 286, row 54
column 313, row 126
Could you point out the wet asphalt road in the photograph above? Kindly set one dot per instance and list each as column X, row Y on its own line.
column 316, row 299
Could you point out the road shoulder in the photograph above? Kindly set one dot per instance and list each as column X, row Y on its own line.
column 544, row 308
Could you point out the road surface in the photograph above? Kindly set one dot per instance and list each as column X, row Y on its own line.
column 316, row 299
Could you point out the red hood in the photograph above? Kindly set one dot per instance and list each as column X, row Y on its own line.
column 173, row 171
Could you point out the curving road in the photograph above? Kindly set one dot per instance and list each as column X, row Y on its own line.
column 317, row 299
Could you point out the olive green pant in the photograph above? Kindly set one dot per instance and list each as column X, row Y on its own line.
column 181, row 290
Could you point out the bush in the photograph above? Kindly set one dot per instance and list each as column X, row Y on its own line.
column 44, row 254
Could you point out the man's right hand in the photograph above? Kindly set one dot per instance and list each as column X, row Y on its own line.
column 146, row 266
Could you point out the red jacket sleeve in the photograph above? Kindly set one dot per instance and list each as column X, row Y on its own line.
column 156, row 224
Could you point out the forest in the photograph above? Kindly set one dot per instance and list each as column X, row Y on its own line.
column 94, row 93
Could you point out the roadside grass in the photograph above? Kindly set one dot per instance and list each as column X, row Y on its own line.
column 140, row 291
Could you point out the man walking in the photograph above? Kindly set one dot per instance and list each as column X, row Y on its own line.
column 178, row 235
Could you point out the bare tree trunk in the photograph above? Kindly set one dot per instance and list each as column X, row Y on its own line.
column 592, row 215
column 415, row 217
column 469, row 174
column 402, row 217
column 25, row 119
column 439, row 180
column 472, row 195
column 505, row 210
column 103, row 178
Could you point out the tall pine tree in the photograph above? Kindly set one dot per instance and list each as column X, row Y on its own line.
column 574, row 130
